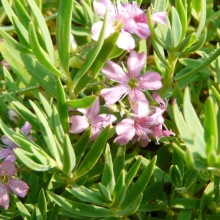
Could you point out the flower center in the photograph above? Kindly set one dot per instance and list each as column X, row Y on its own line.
column 4, row 179
column 118, row 24
column 133, row 83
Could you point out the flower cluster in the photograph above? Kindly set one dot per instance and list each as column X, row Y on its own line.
column 8, row 170
column 127, row 18
column 144, row 121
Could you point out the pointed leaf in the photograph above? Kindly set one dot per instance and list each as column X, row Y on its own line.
column 63, row 31
column 94, row 153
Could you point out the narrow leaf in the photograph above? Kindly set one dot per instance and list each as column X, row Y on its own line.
column 63, row 31
column 94, row 153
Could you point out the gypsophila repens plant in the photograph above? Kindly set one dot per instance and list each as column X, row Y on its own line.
column 109, row 110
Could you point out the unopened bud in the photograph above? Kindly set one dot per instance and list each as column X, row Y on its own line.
column 13, row 116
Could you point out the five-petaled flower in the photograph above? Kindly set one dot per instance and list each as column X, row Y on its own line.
column 130, row 82
column 91, row 117
column 8, row 182
column 127, row 18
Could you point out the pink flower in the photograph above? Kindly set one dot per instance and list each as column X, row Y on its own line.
column 128, row 19
column 8, row 153
column 131, row 82
column 141, row 28
column 91, row 118
column 143, row 127
column 7, row 182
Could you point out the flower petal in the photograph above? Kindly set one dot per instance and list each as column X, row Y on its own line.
column 125, row 41
column 114, row 72
column 93, row 110
column 26, row 128
column 150, row 81
column 4, row 196
column 78, row 124
column 159, row 17
column 18, row 187
column 97, row 27
column 8, row 168
column 138, row 102
column 8, row 142
column 7, row 155
column 135, row 63
column 125, row 130
column 114, row 94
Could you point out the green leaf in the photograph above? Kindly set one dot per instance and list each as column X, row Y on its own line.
column 193, row 124
column 42, row 204
column 183, row 17
column 80, row 146
column 86, row 195
column 176, row 27
column 132, row 172
column 26, row 113
column 132, row 207
column 20, row 29
column 138, row 187
column 96, row 66
column 211, row 129
column 105, row 192
column 21, row 12
column 119, row 161
column 41, row 55
column 47, row 134
column 22, row 209
column 82, row 103
column 62, row 106
column 185, row 203
column 202, row 18
column 81, row 209
column 56, row 124
column 27, row 68
column 94, row 153
column 108, row 178
column 69, row 159
column 63, row 31
column 43, row 27
column 26, row 159
column 9, row 81
column 94, row 53
column 12, row 42
column 119, row 190
column 184, row 214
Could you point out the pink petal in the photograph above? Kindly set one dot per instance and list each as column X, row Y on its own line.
column 114, row 94
column 138, row 102
column 103, row 120
column 18, row 187
column 159, row 17
column 93, row 110
column 150, row 81
column 99, row 8
column 142, row 30
column 125, row 41
column 8, row 142
column 135, row 63
column 8, row 168
column 97, row 27
column 4, row 196
column 26, row 128
column 125, row 130
column 7, row 155
column 78, row 124
column 114, row 72
column 158, row 99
